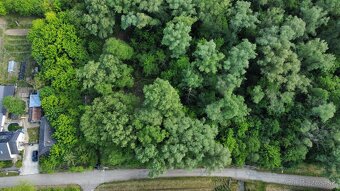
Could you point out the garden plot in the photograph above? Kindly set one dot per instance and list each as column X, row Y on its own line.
column 15, row 47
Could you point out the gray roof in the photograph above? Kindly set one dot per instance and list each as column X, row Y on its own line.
column 45, row 137
column 5, row 91
column 4, row 152
column 8, row 144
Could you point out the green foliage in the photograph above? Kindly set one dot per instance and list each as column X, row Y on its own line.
column 108, row 120
column 99, row 18
column 21, row 187
column 191, row 144
column 182, row 7
column 242, row 16
column 29, row 7
column 207, row 57
column 213, row 14
column 163, row 97
column 260, row 77
column 325, row 112
column 14, row 105
column 107, row 74
column 236, row 64
column 176, row 35
column 118, row 49
column 314, row 55
column 3, row 10
column 139, row 20
column 56, row 48
column 13, row 127
column 229, row 107
column 314, row 17
column 270, row 156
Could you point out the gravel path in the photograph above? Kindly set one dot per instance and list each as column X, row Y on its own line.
column 91, row 179
column 16, row 32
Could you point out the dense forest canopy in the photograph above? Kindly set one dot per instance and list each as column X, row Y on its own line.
column 189, row 83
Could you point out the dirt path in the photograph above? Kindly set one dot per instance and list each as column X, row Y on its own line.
column 91, row 179
column 16, row 32
column 2, row 21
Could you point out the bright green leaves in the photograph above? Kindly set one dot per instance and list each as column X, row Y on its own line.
column 57, row 49
column 14, row 105
column 118, row 49
column 176, row 35
column 207, row 57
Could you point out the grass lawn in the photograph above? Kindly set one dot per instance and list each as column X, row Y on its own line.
column 33, row 134
column 300, row 169
column 261, row 186
column 172, row 184
column 3, row 174
column 59, row 188
column 26, row 186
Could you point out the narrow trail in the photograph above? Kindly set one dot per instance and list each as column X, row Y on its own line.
column 91, row 179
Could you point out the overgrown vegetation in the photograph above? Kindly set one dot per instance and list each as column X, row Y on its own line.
column 29, row 187
column 184, row 84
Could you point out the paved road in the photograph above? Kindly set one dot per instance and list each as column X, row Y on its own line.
column 91, row 179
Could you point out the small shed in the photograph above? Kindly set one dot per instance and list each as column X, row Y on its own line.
column 11, row 66
column 35, row 100
column 34, row 112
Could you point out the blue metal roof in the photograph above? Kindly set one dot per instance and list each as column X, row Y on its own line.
column 35, row 100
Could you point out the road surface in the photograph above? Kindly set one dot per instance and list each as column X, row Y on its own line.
column 91, row 179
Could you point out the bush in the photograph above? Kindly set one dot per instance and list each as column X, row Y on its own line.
column 18, row 164
column 2, row 9
column 77, row 169
column 29, row 7
column 13, row 127
column 6, row 164
column 14, row 105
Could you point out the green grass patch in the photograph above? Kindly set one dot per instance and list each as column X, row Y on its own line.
column 5, row 174
column 27, row 186
column 59, row 188
column 300, row 169
column 6, row 164
column 172, row 184
column 33, row 134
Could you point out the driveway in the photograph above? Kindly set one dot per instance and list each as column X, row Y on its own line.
column 28, row 166
column 91, row 179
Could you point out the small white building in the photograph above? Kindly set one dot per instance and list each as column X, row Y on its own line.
column 11, row 66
